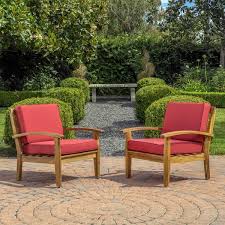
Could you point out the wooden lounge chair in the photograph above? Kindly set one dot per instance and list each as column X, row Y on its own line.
column 38, row 134
column 185, row 136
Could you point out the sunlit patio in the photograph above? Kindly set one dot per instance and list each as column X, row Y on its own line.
column 112, row 199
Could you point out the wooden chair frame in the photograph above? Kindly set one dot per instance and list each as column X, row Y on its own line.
column 167, row 158
column 57, row 159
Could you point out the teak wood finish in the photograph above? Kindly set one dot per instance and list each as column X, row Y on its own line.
column 57, row 159
column 167, row 158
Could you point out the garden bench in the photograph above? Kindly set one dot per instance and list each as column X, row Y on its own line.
column 131, row 86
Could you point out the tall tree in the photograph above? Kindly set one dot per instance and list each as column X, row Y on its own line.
column 129, row 16
column 200, row 20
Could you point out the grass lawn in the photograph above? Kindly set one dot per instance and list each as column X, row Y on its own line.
column 217, row 148
column 218, row 144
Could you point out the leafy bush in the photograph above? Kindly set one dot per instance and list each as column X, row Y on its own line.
column 65, row 113
column 73, row 82
column 216, row 99
column 202, row 74
column 146, row 95
column 154, row 114
column 118, row 59
column 7, row 98
column 218, row 80
column 149, row 81
column 43, row 79
column 60, row 33
column 72, row 96
column 194, row 85
column 195, row 79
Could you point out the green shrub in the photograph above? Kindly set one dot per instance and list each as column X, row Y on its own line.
column 44, row 78
column 154, row 114
column 7, row 98
column 149, row 81
column 65, row 113
column 118, row 59
column 146, row 95
column 218, row 80
column 73, row 96
column 60, row 33
column 216, row 99
column 73, row 82
column 194, row 85
column 198, row 73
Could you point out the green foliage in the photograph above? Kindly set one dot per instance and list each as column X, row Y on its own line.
column 44, row 79
column 45, row 32
column 129, row 16
column 201, row 21
column 146, row 95
column 201, row 73
column 65, row 113
column 199, row 79
column 149, row 81
column 155, row 112
column 73, row 82
column 118, row 59
column 73, row 96
column 8, row 98
column 218, row 80
column 194, row 85
column 217, row 99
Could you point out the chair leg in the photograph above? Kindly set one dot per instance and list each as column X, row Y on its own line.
column 58, row 172
column 97, row 164
column 206, row 168
column 166, row 177
column 19, row 168
column 128, row 162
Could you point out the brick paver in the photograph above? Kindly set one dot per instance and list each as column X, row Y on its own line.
column 112, row 199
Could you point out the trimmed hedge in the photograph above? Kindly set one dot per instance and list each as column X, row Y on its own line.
column 73, row 82
column 149, row 81
column 146, row 95
column 73, row 96
column 155, row 112
column 216, row 99
column 119, row 59
column 7, row 98
column 65, row 113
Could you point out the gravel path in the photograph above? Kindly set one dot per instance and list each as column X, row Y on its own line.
column 112, row 117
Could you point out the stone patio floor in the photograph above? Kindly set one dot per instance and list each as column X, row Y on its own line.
column 112, row 199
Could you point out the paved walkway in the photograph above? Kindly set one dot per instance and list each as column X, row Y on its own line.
column 112, row 199
column 112, row 117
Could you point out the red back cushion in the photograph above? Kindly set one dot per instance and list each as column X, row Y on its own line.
column 186, row 116
column 44, row 117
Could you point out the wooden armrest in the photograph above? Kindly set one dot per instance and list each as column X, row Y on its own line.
column 85, row 129
column 176, row 133
column 54, row 135
column 126, row 130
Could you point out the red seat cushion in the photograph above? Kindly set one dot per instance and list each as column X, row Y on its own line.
column 67, row 147
column 156, row 145
column 43, row 117
column 186, row 116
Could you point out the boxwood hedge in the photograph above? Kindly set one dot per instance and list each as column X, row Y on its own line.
column 149, row 81
column 65, row 113
column 73, row 82
column 8, row 98
column 216, row 99
column 73, row 96
column 146, row 95
column 155, row 112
